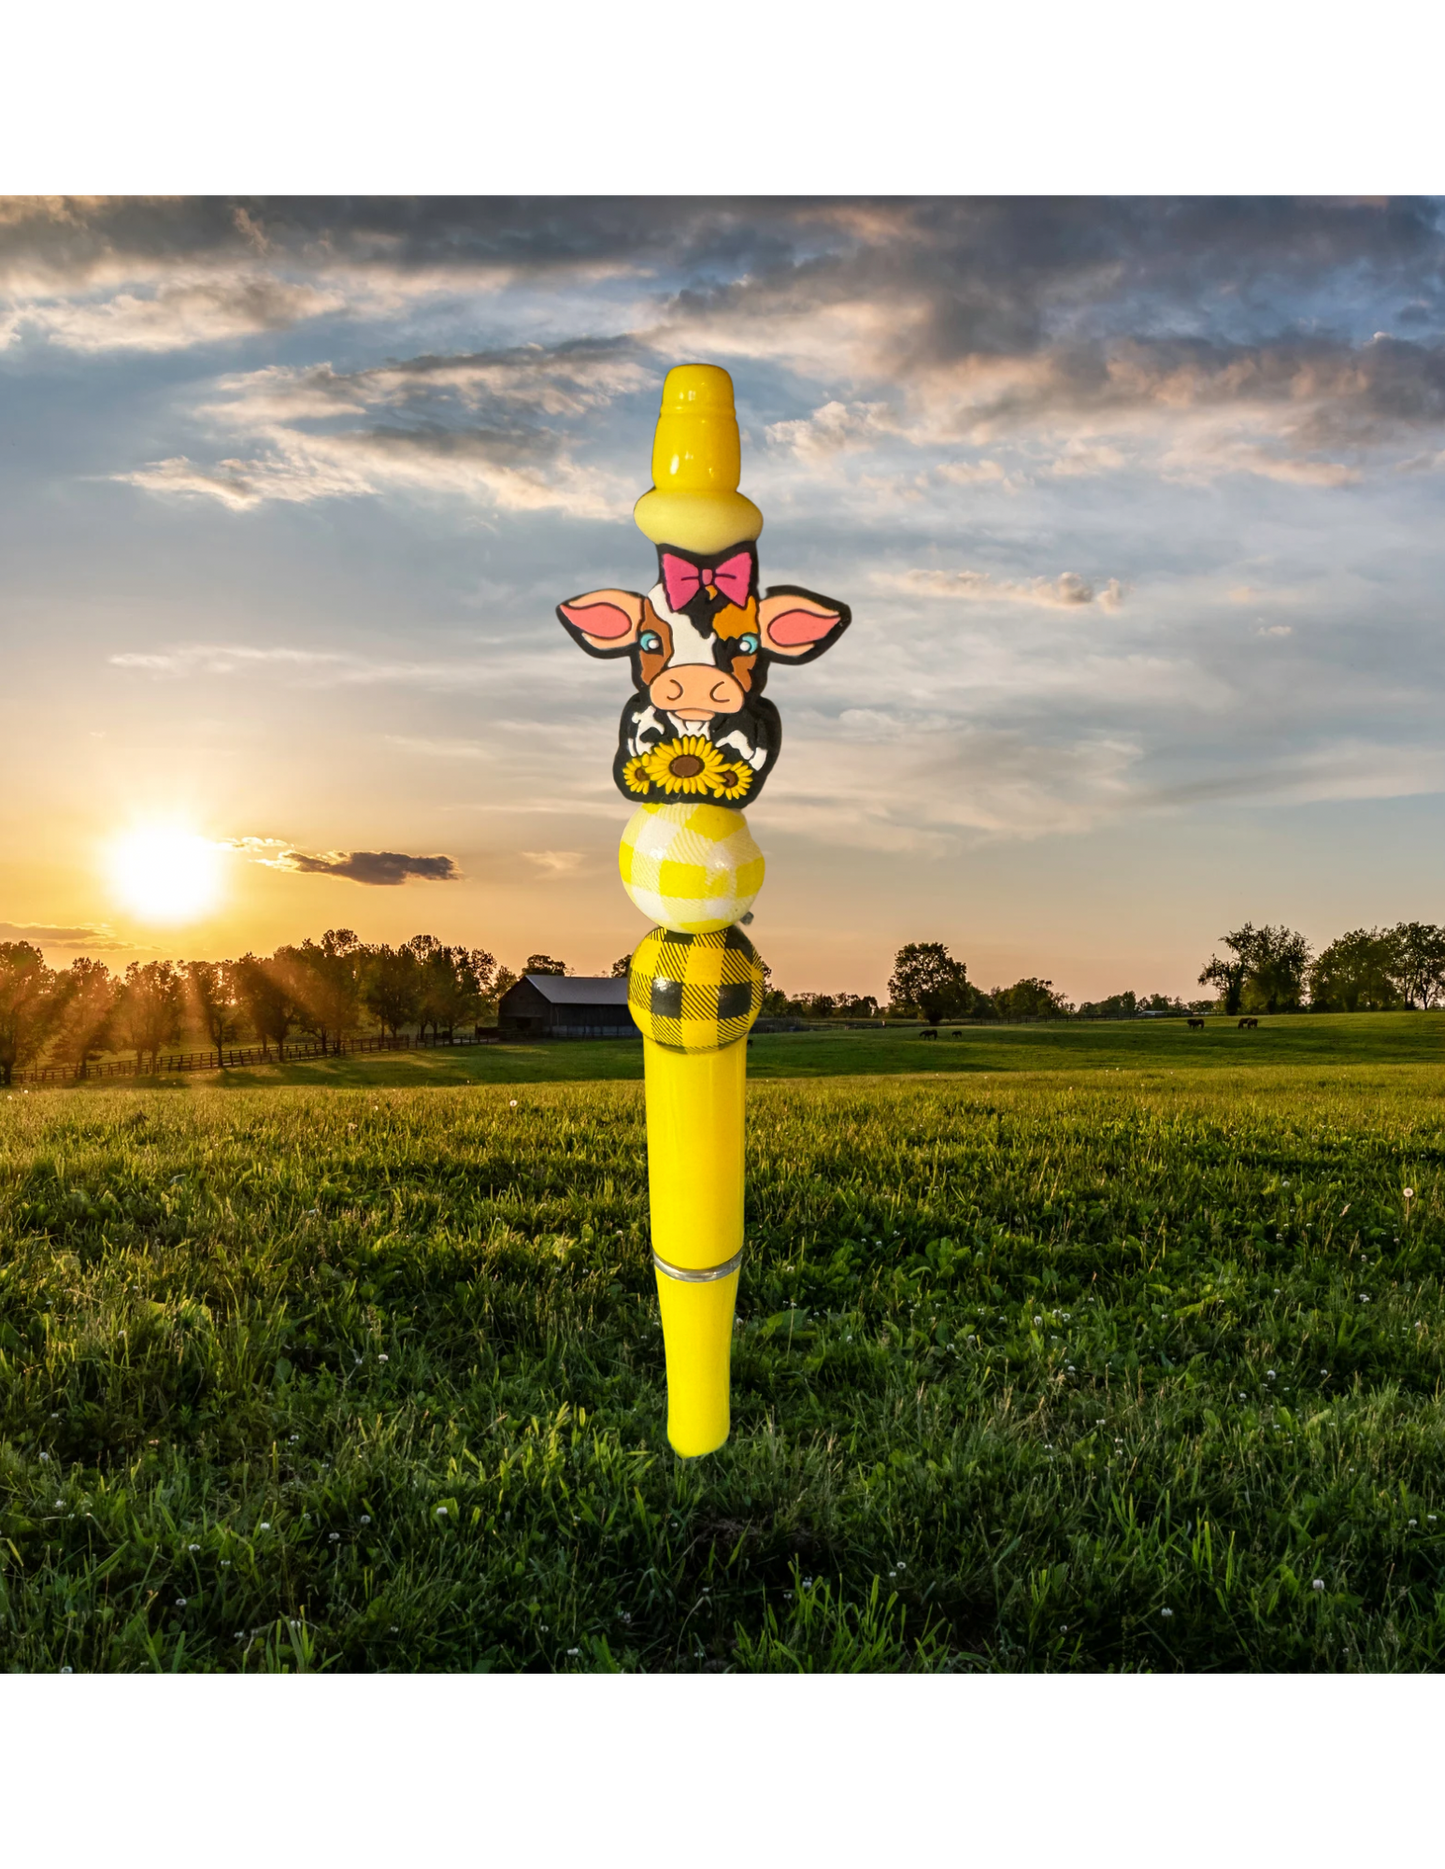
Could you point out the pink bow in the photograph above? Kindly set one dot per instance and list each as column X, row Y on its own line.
column 683, row 581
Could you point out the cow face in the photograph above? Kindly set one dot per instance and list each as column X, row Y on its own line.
column 701, row 640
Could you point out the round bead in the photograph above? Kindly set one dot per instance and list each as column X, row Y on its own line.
column 692, row 868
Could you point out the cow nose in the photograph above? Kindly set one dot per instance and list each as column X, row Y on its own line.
column 693, row 687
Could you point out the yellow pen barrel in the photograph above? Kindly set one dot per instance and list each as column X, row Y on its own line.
column 695, row 1108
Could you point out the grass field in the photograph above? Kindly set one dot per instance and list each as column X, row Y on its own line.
column 1129, row 1362
column 1379, row 1038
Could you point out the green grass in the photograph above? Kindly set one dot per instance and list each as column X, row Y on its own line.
column 368, row 1379
column 1360, row 1038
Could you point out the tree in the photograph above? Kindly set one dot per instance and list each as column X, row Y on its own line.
column 1358, row 972
column 1229, row 975
column 30, row 1004
column 621, row 967
column 455, row 986
column 264, row 995
column 1420, row 962
column 544, row 963
column 1267, row 969
column 391, row 987
column 501, row 981
column 150, row 1007
column 926, row 977
column 325, row 979
column 1116, row 1006
column 210, row 992
column 1031, row 999
column 83, row 1030
column 1278, row 971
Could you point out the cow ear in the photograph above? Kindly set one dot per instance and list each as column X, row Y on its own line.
column 798, row 624
column 604, row 622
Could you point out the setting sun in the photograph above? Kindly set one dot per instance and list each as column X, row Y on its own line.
column 164, row 874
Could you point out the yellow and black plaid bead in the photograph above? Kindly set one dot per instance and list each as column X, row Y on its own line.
column 695, row 992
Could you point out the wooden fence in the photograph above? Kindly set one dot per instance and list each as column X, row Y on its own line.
column 235, row 1057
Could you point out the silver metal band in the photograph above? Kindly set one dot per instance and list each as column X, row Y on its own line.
column 705, row 1277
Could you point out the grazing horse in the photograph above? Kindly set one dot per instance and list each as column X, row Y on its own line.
column 1196, row 1025
column 932, row 1034
column 1249, row 1025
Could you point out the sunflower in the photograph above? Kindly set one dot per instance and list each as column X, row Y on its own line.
column 634, row 774
column 732, row 781
column 689, row 765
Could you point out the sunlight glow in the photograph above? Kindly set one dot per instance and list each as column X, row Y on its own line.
column 165, row 874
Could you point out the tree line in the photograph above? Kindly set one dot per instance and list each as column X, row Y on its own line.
column 327, row 990
column 1269, row 969
column 324, row 990
column 1272, row 969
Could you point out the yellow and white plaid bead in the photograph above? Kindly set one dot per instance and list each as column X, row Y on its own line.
column 692, row 868
column 695, row 992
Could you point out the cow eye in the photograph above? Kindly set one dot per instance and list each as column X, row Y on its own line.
column 650, row 641
column 748, row 645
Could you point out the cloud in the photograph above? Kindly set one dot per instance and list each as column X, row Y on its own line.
column 935, row 789
column 1081, row 337
column 1065, row 592
column 442, row 749
column 832, row 428
column 181, row 313
column 94, row 938
column 383, row 868
column 1347, row 768
column 222, row 659
column 325, row 668
column 555, row 862
column 971, row 473
column 479, row 424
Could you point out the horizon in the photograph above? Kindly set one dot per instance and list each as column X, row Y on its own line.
column 1135, row 504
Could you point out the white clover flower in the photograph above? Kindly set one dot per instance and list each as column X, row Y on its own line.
column 181, row 1602
column 441, row 1512
column 334, row 1538
column 264, row 1526
column 1319, row 1583
column 193, row 1547
column 1409, row 1194
column 383, row 1358
column 1166, row 1612
column 366, row 1518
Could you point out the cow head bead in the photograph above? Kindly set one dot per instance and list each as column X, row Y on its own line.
column 700, row 643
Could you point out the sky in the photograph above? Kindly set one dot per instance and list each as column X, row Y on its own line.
column 1136, row 503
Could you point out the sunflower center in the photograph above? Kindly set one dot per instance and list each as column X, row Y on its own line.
column 685, row 766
